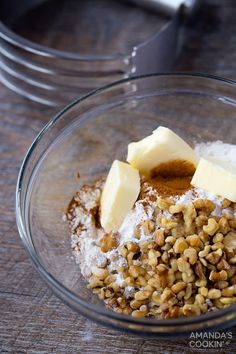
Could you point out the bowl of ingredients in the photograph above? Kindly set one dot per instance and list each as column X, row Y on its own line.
column 126, row 204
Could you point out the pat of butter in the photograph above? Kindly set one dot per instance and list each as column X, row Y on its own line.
column 162, row 147
column 216, row 176
column 120, row 192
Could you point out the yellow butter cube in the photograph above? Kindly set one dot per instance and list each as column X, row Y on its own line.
column 160, row 149
column 216, row 176
column 120, row 192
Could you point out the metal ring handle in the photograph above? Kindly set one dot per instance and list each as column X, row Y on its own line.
column 170, row 7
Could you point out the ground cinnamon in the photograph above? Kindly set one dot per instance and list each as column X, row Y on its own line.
column 174, row 168
column 170, row 186
column 172, row 178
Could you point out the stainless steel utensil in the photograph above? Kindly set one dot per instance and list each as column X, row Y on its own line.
column 54, row 77
column 170, row 7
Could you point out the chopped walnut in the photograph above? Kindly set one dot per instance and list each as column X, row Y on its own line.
column 180, row 260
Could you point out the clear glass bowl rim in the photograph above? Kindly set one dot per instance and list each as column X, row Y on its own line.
column 51, row 280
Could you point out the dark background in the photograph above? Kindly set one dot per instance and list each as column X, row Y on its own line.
column 32, row 319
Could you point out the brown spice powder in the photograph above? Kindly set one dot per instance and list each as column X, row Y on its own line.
column 169, row 186
column 171, row 178
column 174, row 168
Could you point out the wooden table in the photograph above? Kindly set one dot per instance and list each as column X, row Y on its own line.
column 32, row 319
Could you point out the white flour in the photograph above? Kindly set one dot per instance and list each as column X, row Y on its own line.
column 217, row 149
column 133, row 218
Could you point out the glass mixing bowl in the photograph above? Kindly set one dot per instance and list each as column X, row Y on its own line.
column 85, row 138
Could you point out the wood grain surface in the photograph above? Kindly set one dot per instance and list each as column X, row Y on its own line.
column 32, row 319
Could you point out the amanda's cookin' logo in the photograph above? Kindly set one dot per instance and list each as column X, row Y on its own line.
column 210, row 340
